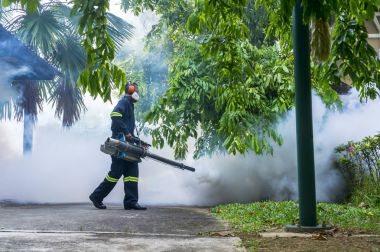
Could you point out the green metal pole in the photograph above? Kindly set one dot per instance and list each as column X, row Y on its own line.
column 305, row 146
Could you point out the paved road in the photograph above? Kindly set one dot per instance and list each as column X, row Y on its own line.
column 80, row 227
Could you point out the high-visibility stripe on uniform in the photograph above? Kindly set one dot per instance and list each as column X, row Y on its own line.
column 117, row 114
column 111, row 179
column 131, row 179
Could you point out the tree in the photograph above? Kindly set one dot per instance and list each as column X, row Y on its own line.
column 104, row 75
column 51, row 32
column 99, row 75
column 221, row 30
column 344, row 53
column 189, row 106
column 232, row 95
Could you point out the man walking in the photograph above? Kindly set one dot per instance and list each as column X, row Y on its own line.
column 123, row 125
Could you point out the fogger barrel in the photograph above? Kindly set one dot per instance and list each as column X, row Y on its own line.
column 134, row 152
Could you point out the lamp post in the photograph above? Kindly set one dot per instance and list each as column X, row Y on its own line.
column 304, row 121
column 304, row 125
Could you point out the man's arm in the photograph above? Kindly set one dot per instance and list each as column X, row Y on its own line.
column 118, row 124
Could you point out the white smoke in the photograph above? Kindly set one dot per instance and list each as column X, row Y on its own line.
column 10, row 136
column 7, row 96
column 7, row 73
column 66, row 165
column 239, row 178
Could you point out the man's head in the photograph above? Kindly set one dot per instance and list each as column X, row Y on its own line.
column 132, row 89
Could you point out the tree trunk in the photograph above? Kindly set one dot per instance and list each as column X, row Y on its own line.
column 28, row 133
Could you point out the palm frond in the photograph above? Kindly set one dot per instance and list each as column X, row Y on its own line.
column 118, row 29
column 51, row 31
column 46, row 87
column 7, row 93
column 68, row 101
column 69, row 56
column 6, row 14
column 6, row 110
column 40, row 30
column 125, row 4
column 63, row 13
column 29, row 101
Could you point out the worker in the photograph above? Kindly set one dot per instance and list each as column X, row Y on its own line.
column 123, row 126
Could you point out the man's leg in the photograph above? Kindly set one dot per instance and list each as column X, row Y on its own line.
column 131, row 178
column 108, row 184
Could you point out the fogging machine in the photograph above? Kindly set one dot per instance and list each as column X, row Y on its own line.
column 134, row 150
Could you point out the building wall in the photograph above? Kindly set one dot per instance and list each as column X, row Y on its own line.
column 373, row 28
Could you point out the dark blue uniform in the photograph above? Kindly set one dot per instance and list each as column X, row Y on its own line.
column 123, row 117
column 123, row 121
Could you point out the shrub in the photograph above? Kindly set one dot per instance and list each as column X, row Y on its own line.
column 359, row 163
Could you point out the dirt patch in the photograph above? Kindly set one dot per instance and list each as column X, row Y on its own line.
column 309, row 244
column 339, row 242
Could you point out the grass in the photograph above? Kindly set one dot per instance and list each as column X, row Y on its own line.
column 259, row 216
column 368, row 192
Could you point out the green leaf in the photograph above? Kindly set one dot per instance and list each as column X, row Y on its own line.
column 6, row 3
column 32, row 5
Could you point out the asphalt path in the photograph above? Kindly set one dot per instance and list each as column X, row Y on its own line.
column 81, row 227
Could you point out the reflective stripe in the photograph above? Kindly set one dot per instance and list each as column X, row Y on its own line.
column 116, row 114
column 131, row 179
column 111, row 179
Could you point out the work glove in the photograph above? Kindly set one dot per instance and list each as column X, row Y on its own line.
column 145, row 146
column 128, row 137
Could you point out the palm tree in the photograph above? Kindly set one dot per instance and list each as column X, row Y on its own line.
column 51, row 32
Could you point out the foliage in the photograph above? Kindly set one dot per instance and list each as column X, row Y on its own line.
column 227, row 102
column 30, row 5
column 68, row 102
column 257, row 21
column 213, row 94
column 100, row 75
column 32, row 99
column 227, row 99
column 226, row 119
column 215, row 62
column 315, row 11
column 41, row 30
column 117, row 28
column 350, row 57
column 138, row 6
column 53, row 38
column 51, row 32
column 359, row 163
column 258, row 216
